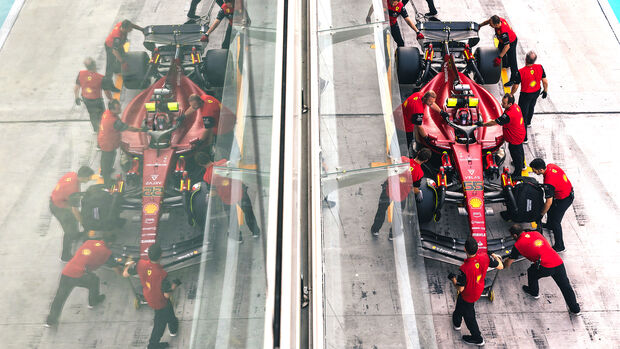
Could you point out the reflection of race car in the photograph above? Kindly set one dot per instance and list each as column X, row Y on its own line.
column 467, row 156
column 158, row 181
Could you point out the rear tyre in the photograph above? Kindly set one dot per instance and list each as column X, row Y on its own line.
column 408, row 65
column 426, row 208
column 484, row 59
column 215, row 67
column 137, row 65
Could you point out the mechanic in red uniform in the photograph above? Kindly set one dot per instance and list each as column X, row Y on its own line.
column 545, row 262
column 156, row 289
column 227, row 11
column 559, row 196
column 79, row 273
column 470, row 284
column 109, row 137
column 396, row 188
column 514, row 131
column 231, row 192
column 413, row 114
column 209, row 109
column 396, row 8
column 507, row 45
column 114, row 46
column 531, row 76
column 61, row 208
column 91, row 84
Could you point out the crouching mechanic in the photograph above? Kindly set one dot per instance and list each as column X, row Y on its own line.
column 413, row 114
column 156, row 289
column 545, row 262
column 397, row 188
column 79, row 273
column 470, row 284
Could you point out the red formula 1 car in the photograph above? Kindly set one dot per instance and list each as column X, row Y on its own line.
column 467, row 157
column 158, row 182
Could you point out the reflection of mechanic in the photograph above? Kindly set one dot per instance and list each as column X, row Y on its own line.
column 67, row 215
column 114, row 45
column 531, row 77
column 507, row 44
column 231, row 192
column 91, row 83
column 545, row 262
column 156, row 289
column 514, row 131
column 227, row 11
column 208, row 109
column 413, row 114
column 192, row 8
column 395, row 9
column 109, row 137
column 79, row 273
column 396, row 188
column 470, row 284
column 559, row 196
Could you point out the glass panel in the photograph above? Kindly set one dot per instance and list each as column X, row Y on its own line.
column 375, row 290
column 230, row 298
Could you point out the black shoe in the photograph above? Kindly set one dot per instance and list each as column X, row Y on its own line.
column 192, row 16
column 471, row 340
column 99, row 300
column 526, row 289
column 50, row 324
column 431, row 13
column 456, row 328
column 375, row 233
column 390, row 237
column 559, row 249
column 509, row 83
column 256, row 235
column 65, row 259
column 525, row 141
column 577, row 313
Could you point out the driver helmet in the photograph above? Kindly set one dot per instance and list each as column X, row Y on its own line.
column 463, row 118
column 161, row 122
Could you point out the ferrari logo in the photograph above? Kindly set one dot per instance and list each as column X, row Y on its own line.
column 89, row 78
column 209, row 101
column 527, row 235
column 149, row 272
column 532, row 71
column 538, row 243
column 397, row 8
column 554, row 170
column 98, row 244
column 415, row 98
column 86, row 252
column 477, row 265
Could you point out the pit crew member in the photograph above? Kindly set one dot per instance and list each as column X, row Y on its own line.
column 470, row 284
column 90, row 84
column 507, row 44
column 514, row 131
column 114, row 46
column 545, row 262
column 559, row 195
column 413, row 113
column 61, row 208
column 396, row 8
column 227, row 11
column 531, row 76
column 396, row 188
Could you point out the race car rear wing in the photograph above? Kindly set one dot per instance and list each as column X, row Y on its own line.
column 456, row 33
column 183, row 34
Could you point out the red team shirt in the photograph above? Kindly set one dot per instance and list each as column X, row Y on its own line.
column 116, row 33
column 412, row 105
column 556, row 177
column 151, row 277
column 90, row 256
column 395, row 11
column 66, row 186
column 475, row 270
column 108, row 137
column 530, row 77
column 514, row 127
column 90, row 82
column 535, row 247
column 505, row 32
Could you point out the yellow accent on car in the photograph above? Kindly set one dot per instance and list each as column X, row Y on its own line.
column 149, row 106
column 173, row 106
column 451, row 102
column 473, row 102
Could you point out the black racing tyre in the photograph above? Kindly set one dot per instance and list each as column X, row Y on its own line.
column 215, row 66
column 426, row 208
column 484, row 59
column 137, row 65
column 408, row 65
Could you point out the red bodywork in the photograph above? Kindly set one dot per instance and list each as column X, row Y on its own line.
column 467, row 159
column 157, row 164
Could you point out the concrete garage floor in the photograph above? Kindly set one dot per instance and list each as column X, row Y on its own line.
column 43, row 136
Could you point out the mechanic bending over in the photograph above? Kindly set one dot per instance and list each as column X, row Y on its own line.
column 61, row 208
column 396, row 8
column 79, row 273
column 227, row 11
column 413, row 114
column 531, row 77
column 109, row 138
column 91, row 83
column 513, row 128
column 559, row 195
column 545, row 262
column 114, row 46
column 470, row 285
column 396, row 188
column 156, row 289
column 507, row 45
